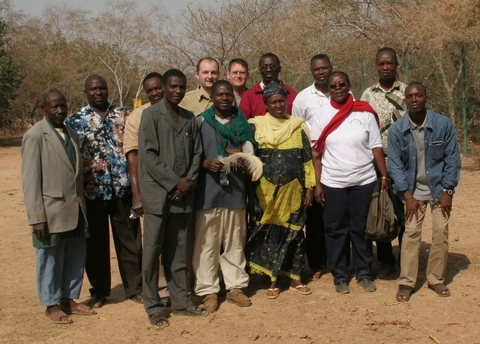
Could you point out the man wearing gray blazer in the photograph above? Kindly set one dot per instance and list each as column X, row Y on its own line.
column 169, row 156
column 53, row 190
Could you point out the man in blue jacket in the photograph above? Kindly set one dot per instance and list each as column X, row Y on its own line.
column 424, row 163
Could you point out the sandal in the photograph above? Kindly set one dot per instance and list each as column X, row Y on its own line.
column 404, row 292
column 71, row 307
column 316, row 275
column 158, row 320
column 441, row 289
column 272, row 293
column 191, row 311
column 57, row 316
column 301, row 289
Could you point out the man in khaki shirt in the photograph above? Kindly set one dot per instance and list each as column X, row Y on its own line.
column 199, row 99
column 387, row 97
column 153, row 86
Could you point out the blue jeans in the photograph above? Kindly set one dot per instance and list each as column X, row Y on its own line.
column 345, row 216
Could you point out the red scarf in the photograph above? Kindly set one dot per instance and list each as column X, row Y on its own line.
column 343, row 111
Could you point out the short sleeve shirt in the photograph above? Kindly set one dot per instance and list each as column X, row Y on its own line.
column 389, row 105
column 105, row 173
column 130, row 140
column 196, row 102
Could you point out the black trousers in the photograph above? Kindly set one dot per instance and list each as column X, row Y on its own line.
column 315, row 238
column 345, row 216
column 127, row 239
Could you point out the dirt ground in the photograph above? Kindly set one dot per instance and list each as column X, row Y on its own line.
column 323, row 317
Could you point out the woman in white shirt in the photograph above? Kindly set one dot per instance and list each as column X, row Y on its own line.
column 344, row 156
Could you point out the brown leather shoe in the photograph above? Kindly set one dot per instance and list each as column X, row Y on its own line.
column 238, row 297
column 210, row 303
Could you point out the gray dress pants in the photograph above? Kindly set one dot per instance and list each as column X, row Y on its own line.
column 167, row 235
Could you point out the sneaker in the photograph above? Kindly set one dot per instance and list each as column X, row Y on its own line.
column 238, row 297
column 192, row 311
column 342, row 288
column 210, row 303
column 368, row 285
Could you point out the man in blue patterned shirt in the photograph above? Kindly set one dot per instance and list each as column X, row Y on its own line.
column 100, row 127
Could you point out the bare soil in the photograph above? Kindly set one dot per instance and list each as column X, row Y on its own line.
column 322, row 317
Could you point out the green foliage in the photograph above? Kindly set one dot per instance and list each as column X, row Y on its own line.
column 10, row 76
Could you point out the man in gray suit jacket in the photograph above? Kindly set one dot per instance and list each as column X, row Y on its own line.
column 169, row 155
column 52, row 186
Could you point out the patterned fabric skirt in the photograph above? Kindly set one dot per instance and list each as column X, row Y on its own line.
column 275, row 250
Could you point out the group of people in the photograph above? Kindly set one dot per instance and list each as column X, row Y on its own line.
column 189, row 163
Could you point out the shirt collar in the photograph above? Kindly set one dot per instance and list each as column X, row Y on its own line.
column 262, row 85
column 396, row 87
column 409, row 125
column 314, row 90
column 200, row 95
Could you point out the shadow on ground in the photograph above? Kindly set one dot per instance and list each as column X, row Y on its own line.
column 456, row 263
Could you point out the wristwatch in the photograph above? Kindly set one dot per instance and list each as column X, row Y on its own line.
column 449, row 192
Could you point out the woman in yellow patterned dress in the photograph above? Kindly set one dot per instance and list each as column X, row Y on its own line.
column 276, row 246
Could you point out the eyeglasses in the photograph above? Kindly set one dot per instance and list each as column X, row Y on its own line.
column 272, row 67
column 339, row 85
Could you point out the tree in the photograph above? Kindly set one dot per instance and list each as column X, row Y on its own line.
column 10, row 76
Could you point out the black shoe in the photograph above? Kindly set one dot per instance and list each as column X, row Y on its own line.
column 342, row 288
column 138, row 298
column 96, row 301
column 165, row 301
column 368, row 285
column 193, row 311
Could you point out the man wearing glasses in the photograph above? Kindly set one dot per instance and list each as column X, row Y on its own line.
column 252, row 103
column 238, row 75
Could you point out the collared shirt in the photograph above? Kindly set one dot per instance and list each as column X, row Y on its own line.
column 105, row 171
column 389, row 105
column 442, row 156
column 130, row 139
column 348, row 157
column 252, row 103
column 421, row 191
column 196, row 102
column 307, row 105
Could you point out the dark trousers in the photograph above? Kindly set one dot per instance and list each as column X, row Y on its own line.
column 385, row 253
column 315, row 238
column 165, row 235
column 127, row 239
column 345, row 216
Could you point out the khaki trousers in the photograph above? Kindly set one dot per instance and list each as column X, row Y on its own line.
column 410, row 250
column 216, row 228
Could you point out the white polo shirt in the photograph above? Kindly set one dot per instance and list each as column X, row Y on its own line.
column 348, row 157
column 307, row 105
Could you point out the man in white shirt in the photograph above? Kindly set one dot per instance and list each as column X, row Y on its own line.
column 313, row 97
column 307, row 105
